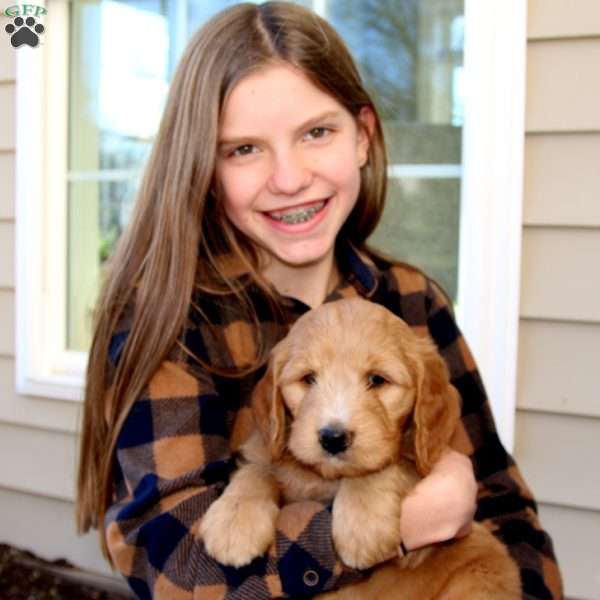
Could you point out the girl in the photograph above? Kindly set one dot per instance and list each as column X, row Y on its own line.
column 267, row 176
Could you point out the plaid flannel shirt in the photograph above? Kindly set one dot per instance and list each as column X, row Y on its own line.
column 173, row 457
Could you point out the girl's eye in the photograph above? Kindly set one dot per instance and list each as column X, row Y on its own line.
column 376, row 380
column 243, row 150
column 318, row 132
column 309, row 378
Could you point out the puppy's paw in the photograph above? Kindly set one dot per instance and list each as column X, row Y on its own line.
column 362, row 547
column 366, row 520
column 236, row 530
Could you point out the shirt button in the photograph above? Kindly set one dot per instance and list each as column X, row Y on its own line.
column 311, row 578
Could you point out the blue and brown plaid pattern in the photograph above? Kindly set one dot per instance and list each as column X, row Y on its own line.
column 173, row 457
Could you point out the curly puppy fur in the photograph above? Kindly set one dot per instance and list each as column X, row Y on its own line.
column 354, row 407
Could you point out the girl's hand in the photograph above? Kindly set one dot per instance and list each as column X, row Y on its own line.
column 442, row 505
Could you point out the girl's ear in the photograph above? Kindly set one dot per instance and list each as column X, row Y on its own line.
column 366, row 128
column 268, row 406
column 437, row 407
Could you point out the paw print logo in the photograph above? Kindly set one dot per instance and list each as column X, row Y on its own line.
column 24, row 32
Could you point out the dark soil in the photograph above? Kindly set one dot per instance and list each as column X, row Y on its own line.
column 24, row 576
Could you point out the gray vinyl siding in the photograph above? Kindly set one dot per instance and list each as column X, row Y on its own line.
column 557, row 432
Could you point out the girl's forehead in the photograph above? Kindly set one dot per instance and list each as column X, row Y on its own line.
column 275, row 92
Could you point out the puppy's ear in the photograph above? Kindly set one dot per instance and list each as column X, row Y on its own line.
column 268, row 406
column 437, row 406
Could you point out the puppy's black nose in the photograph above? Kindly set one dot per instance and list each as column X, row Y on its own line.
column 333, row 439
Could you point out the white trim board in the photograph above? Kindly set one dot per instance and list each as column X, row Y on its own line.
column 44, row 366
column 492, row 196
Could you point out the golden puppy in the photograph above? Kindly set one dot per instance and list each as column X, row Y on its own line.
column 354, row 407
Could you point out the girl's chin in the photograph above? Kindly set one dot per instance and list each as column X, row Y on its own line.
column 305, row 257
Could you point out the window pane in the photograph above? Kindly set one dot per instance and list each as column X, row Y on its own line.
column 420, row 226
column 409, row 53
column 118, row 83
column 98, row 212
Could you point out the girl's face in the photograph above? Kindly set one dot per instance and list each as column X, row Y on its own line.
column 288, row 163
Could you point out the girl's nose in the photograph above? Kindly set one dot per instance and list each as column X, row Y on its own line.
column 290, row 174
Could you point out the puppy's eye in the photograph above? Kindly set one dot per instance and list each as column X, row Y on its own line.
column 309, row 378
column 376, row 380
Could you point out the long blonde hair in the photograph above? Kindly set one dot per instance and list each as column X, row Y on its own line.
column 178, row 230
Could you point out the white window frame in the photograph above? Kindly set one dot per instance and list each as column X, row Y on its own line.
column 490, row 222
column 492, row 197
column 44, row 366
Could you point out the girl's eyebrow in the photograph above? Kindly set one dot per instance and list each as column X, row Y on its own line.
column 330, row 114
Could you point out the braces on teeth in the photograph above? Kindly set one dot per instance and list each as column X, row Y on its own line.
column 298, row 217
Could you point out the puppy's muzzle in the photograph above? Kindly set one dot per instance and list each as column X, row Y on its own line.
column 334, row 440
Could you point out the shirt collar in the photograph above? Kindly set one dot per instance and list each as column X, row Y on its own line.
column 355, row 266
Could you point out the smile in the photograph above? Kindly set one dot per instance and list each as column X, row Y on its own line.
column 298, row 215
